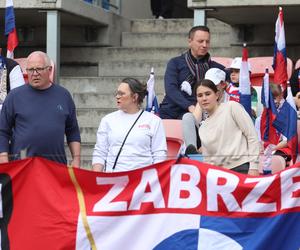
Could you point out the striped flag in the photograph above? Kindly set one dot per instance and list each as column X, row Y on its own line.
column 267, row 131
column 244, row 82
column 286, row 123
column 279, row 60
column 10, row 29
column 152, row 103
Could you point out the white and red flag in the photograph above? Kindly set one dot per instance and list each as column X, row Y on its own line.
column 10, row 29
column 245, row 84
column 279, row 61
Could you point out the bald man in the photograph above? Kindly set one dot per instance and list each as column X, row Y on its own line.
column 35, row 117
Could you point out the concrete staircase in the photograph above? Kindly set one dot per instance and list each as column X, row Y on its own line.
column 92, row 74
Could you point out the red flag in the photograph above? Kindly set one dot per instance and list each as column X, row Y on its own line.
column 170, row 205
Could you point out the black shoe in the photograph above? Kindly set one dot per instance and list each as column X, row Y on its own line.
column 191, row 150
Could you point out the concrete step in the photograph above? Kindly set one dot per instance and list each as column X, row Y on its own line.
column 98, row 100
column 91, row 117
column 79, row 69
column 165, row 40
column 130, row 39
column 96, row 54
column 88, row 135
column 157, row 25
column 180, row 25
column 79, row 65
column 104, row 85
column 136, row 68
column 94, row 100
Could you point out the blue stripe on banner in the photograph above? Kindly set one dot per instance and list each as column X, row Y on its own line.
column 9, row 20
column 186, row 239
column 276, row 233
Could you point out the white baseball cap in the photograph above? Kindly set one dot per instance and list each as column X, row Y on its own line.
column 215, row 75
column 237, row 62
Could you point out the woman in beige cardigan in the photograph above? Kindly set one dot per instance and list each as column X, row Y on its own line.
column 227, row 135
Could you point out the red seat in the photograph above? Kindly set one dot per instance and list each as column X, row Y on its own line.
column 259, row 65
column 173, row 128
column 174, row 135
column 277, row 164
column 174, row 146
column 225, row 61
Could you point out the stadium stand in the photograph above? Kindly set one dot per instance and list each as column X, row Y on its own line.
column 225, row 61
column 259, row 65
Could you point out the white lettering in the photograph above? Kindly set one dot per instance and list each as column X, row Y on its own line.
column 106, row 203
column 250, row 203
column 189, row 185
column 225, row 190
column 288, row 187
column 155, row 196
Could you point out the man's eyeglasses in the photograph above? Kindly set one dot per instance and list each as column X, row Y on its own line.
column 37, row 70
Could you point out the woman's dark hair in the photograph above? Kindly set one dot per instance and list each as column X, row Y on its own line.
column 136, row 87
column 208, row 84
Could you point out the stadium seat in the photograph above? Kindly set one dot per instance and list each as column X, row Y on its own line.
column 173, row 128
column 277, row 164
column 174, row 146
column 225, row 61
column 22, row 61
column 174, row 135
column 259, row 65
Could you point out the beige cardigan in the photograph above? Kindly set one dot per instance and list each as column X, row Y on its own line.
column 228, row 137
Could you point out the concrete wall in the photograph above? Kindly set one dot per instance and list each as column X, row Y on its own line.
column 135, row 9
column 235, row 3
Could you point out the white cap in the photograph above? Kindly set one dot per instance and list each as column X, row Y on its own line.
column 215, row 75
column 237, row 62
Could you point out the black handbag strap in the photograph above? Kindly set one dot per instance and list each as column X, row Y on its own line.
column 116, row 160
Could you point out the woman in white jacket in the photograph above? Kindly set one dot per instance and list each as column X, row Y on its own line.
column 129, row 138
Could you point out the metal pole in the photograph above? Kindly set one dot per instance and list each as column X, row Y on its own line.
column 53, row 40
column 199, row 17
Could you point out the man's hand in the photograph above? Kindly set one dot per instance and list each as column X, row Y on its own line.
column 76, row 162
column 75, row 152
column 4, row 157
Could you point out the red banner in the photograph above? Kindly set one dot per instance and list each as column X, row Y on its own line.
column 46, row 205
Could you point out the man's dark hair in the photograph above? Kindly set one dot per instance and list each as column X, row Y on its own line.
column 196, row 28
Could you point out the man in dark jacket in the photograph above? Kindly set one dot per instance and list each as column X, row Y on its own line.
column 183, row 72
